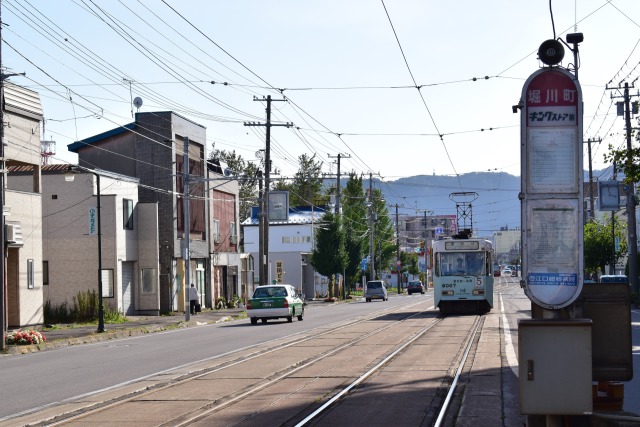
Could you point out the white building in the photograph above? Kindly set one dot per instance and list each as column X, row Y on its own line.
column 506, row 243
column 290, row 244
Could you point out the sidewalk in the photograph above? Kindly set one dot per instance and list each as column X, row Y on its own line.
column 68, row 335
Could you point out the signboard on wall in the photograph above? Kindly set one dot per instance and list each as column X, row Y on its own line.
column 279, row 272
column 278, row 206
column 552, row 209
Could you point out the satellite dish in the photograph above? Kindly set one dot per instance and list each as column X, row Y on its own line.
column 551, row 52
column 137, row 101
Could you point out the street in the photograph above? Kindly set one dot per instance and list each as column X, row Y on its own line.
column 94, row 372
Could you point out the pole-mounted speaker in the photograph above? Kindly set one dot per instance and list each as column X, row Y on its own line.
column 551, row 52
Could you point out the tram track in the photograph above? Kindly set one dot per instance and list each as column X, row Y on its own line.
column 436, row 412
column 316, row 372
column 198, row 370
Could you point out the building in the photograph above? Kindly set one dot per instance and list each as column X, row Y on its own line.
column 152, row 149
column 415, row 229
column 232, row 271
column 128, row 255
column 506, row 244
column 22, row 209
column 290, row 244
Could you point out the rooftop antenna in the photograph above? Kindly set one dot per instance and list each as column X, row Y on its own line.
column 137, row 102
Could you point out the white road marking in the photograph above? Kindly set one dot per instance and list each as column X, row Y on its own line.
column 512, row 358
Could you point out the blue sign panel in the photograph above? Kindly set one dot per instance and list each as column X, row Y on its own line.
column 552, row 279
column 364, row 263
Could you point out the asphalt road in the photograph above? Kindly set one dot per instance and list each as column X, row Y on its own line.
column 51, row 377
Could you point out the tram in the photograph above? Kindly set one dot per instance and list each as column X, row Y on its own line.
column 463, row 274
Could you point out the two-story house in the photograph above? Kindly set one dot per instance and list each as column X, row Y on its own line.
column 127, row 257
column 22, row 210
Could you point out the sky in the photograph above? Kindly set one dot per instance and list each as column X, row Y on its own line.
column 349, row 70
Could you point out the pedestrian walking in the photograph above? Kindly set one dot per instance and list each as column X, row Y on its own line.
column 194, row 298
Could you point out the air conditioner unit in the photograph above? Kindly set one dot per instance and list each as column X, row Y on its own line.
column 13, row 234
column 216, row 238
column 233, row 239
column 10, row 234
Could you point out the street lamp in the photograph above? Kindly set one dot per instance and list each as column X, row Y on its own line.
column 69, row 177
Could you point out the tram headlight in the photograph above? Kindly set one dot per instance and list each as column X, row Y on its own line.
column 478, row 292
column 447, row 293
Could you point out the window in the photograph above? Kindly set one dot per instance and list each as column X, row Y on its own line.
column 127, row 214
column 216, row 231
column 148, row 280
column 232, row 233
column 107, row 283
column 45, row 273
column 30, row 283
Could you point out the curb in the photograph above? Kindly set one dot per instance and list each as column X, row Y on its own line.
column 115, row 333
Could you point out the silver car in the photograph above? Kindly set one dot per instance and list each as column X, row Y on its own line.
column 376, row 289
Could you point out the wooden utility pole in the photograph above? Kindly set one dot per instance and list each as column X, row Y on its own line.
column 264, row 261
column 372, row 271
column 632, row 239
column 338, row 179
column 591, row 192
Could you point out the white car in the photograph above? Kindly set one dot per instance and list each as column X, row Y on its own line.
column 506, row 272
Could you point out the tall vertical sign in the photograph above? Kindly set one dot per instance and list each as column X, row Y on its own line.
column 551, row 188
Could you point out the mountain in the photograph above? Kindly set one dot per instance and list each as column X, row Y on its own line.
column 493, row 197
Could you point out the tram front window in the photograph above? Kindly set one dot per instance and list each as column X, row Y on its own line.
column 462, row 264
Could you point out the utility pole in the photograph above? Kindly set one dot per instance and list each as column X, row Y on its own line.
column 632, row 239
column 372, row 271
column 3, row 307
column 260, row 232
column 187, row 232
column 612, row 267
column 591, row 192
column 631, row 199
column 398, row 250
column 264, row 269
column 346, row 156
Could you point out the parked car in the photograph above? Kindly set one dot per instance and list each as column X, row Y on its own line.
column 614, row 278
column 376, row 289
column 415, row 286
column 275, row 302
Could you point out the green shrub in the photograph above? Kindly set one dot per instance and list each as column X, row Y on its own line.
column 57, row 314
column 84, row 310
column 85, row 306
column 234, row 302
column 113, row 316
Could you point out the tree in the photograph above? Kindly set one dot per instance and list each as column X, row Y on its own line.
column 383, row 233
column 412, row 267
column 599, row 244
column 247, row 185
column 329, row 256
column 306, row 188
column 627, row 162
column 354, row 219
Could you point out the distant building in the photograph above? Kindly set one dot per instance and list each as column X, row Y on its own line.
column 506, row 243
column 414, row 229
